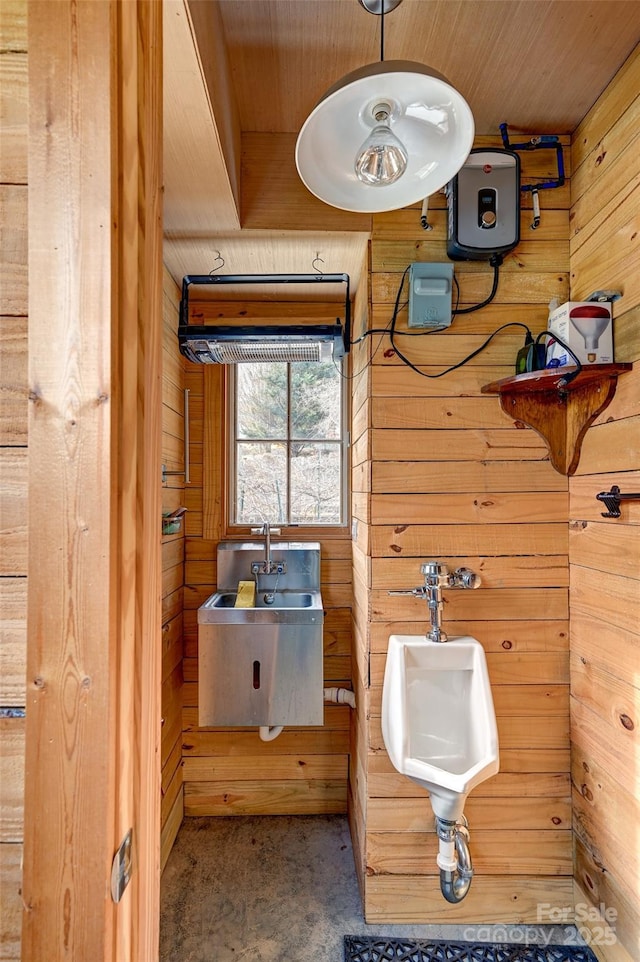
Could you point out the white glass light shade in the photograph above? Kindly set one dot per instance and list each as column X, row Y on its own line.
column 429, row 117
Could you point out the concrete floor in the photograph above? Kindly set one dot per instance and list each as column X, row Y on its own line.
column 268, row 889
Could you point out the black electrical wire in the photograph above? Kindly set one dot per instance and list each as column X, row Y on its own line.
column 464, row 361
column 495, row 261
column 393, row 334
column 570, row 375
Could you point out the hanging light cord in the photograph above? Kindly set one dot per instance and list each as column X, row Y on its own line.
column 382, row 31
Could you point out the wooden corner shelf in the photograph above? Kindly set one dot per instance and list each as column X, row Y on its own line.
column 560, row 413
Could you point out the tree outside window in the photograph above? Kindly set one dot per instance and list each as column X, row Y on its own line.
column 288, row 444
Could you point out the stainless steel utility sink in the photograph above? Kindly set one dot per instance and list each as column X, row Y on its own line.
column 280, row 599
column 263, row 665
column 301, row 607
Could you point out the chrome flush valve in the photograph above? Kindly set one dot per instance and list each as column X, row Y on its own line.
column 436, row 577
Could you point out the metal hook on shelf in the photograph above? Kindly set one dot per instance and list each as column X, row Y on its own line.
column 313, row 263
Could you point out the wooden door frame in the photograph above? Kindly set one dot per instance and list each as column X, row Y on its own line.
column 94, row 600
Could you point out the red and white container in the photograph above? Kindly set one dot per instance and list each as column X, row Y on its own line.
column 586, row 327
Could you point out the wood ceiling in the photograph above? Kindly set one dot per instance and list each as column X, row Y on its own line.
column 242, row 75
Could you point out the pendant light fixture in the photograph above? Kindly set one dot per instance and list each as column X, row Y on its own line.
column 386, row 135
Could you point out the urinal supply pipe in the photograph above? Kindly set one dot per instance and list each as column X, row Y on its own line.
column 454, row 859
column 337, row 696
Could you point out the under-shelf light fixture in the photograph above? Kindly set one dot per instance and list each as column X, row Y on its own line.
column 386, row 135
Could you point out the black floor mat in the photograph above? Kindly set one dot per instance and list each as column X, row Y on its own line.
column 376, row 949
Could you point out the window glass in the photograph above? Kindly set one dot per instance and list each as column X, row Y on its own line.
column 315, row 401
column 261, row 483
column 262, row 400
column 288, row 450
column 315, row 483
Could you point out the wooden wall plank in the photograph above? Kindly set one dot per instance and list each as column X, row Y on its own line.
column 510, row 636
column 386, row 782
column 13, row 114
column 597, row 930
column 173, row 550
column 627, row 334
column 614, row 446
column 64, row 590
column 261, row 768
column 618, row 595
column 413, row 477
column 531, row 853
column 194, row 139
column 585, row 508
column 602, row 809
column 11, row 780
column 13, row 462
column 501, row 444
column 94, row 433
column 475, row 284
column 604, row 115
column 613, row 251
column 596, row 640
column 393, row 413
column 599, row 545
column 13, row 389
column 599, row 882
column 13, row 641
column 538, row 254
column 13, row 249
column 472, row 508
column 298, row 797
column 11, row 901
column 454, row 540
column 507, row 571
column 13, row 512
column 170, row 829
column 522, row 669
column 492, row 899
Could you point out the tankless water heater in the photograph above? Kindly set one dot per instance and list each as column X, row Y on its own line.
column 484, row 206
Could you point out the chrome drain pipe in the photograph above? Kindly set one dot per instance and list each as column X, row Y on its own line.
column 454, row 859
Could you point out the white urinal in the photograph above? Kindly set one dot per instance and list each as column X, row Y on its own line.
column 438, row 720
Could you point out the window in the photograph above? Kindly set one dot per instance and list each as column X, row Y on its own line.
column 288, row 444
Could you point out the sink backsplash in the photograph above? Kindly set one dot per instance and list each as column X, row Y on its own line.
column 302, row 558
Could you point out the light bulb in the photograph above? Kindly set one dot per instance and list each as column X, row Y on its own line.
column 382, row 159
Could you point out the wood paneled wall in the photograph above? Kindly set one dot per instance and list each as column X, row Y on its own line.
column 13, row 462
column 604, row 554
column 440, row 472
column 173, row 457
column 231, row 771
column 93, row 724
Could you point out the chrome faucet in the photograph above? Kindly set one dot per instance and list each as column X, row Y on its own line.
column 436, row 577
column 267, row 567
